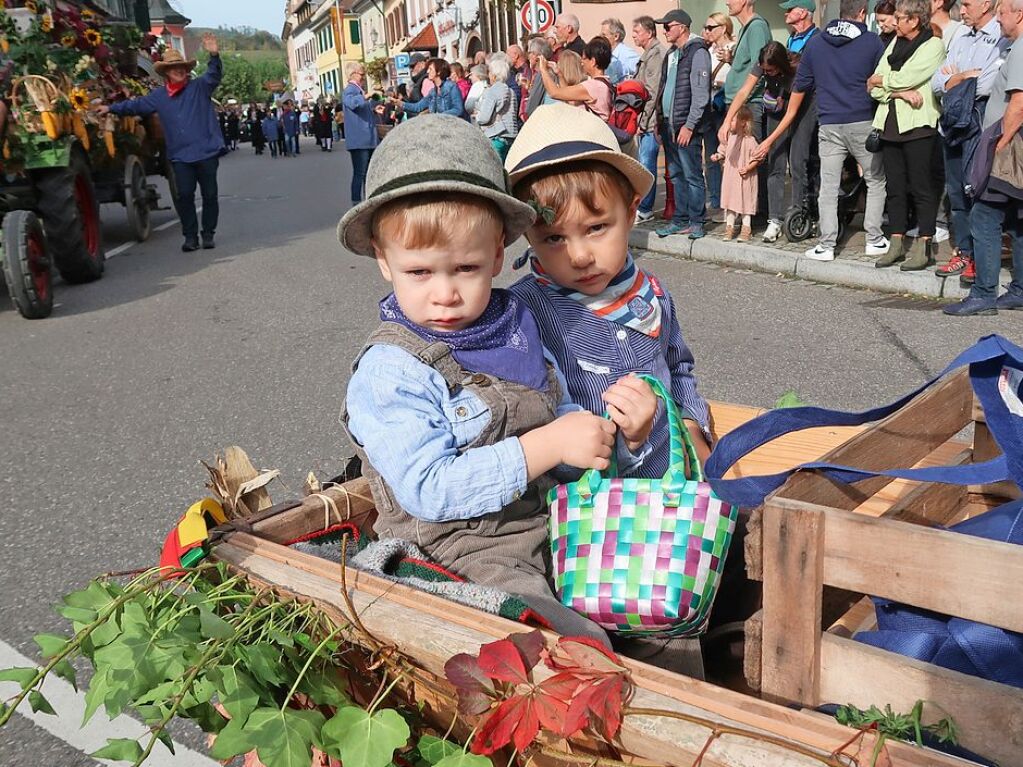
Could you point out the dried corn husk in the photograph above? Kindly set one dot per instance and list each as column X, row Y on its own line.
column 51, row 124
column 78, row 125
column 236, row 483
column 108, row 136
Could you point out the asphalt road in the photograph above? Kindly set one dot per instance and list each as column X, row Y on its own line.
column 107, row 406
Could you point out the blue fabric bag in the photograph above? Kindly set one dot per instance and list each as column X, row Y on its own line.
column 996, row 375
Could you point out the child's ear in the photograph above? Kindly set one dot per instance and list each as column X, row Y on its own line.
column 499, row 257
column 633, row 207
column 385, row 270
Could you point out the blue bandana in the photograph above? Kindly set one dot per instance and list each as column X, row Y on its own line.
column 504, row 342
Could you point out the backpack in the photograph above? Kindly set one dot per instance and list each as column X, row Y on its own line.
column 627, row 102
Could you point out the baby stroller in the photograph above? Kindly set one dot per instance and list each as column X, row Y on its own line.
column 802, row 223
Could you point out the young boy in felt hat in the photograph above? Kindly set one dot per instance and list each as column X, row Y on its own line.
column 453, row 404
column 601, row 316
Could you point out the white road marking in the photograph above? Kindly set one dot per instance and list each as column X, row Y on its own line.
column 119, row 249
column 70, row 708
column 113, row 252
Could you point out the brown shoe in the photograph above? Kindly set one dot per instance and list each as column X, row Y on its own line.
column 745, row 234
column 729, row 233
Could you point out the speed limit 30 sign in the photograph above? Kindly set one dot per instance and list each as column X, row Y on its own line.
column 544, row 16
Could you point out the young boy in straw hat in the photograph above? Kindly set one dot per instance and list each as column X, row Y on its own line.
column 601, row 316
column 453, row 404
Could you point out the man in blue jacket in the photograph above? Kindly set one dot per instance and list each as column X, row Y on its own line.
column 291, row 125
column 192, row 134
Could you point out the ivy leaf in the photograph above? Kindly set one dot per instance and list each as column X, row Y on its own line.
column 50, row 645
column 22, row 676
column 99, row 688
column 474, row 688
column 788, row 399
column 238, row 694
column 93, row 597
column 284, row 738
column 461, row 759
column 104, row 633
column 66, row 671
column 263, row 661
column 434, row 750
column 582, row 655
column 232, row 741
column 514, row 721
column 501, row 660
column 77, row 614
column 213, row 626
column 363, row 740
column 119, row 750
column 164, row 737
column 325, row 689
column 39, row 703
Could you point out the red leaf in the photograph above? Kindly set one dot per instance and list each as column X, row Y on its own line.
column 553, row 713
column 582, row 654
column 530, row 645
column 502, row 661
column 605, row 704
column 578, row 714
column 563, row 686
column 475, row 690
column 512, row 719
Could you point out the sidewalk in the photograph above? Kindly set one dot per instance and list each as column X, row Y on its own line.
column 850, row 267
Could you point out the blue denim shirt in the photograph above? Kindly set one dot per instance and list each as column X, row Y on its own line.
column 413, row 430
column 445, row 100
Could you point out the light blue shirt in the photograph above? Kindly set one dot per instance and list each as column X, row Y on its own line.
column 627, row 58
column 668, row 97
column 614, row 72
column 982, row 49
column 414, row 431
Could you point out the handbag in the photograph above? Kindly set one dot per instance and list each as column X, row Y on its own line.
column 873, row 141
column 996, row 375
column 642, row 556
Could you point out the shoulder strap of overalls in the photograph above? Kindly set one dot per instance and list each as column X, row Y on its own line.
column 434, row 354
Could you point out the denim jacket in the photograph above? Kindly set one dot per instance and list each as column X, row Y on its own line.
column 446, row 100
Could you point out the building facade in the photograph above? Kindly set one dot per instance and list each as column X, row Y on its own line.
column 169, row 25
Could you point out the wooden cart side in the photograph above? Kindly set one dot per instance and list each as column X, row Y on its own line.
column 430, row 630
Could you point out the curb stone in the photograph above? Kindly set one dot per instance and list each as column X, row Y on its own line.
column 842, row 271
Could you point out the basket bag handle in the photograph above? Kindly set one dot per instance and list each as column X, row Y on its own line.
column 987, row 360
column 680, row 444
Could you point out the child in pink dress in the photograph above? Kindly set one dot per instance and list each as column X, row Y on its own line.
column 739, row 177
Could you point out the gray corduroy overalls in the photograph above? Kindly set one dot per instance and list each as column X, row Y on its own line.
column 509, row 549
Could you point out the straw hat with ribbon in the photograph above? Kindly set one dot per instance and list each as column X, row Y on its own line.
column 173, row 58
column 558, row 133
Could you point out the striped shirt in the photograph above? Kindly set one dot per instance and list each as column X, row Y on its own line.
column 593, row 353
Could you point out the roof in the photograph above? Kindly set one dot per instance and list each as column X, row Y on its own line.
column 163, row 11
column 425, row 40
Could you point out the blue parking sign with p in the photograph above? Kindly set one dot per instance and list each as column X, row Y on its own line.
column 402, row 62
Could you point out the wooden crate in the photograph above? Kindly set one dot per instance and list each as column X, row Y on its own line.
column 819, row 546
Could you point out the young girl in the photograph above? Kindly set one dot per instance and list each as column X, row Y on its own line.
column 739, row 179
column 453, row 404
column 599, row 314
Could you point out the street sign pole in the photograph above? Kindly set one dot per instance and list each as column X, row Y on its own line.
column 534, row 14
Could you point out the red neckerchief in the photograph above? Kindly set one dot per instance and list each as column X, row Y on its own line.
column 173, row 90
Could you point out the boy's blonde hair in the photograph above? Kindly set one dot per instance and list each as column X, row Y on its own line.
column 431, row 221
column 560, row 187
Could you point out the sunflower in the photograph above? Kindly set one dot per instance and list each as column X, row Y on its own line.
column 30, row 5
column 79, row 99
column 69, row 40
column 93, row 38
column 87, row 15
column 46, row 23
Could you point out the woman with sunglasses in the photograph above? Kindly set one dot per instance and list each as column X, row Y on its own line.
column 717, row 33
column 907, row 116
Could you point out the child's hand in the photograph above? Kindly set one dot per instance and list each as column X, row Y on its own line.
column 578, row 439
column 717, row 157
column 632, row 406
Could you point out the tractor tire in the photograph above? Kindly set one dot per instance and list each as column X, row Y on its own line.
column 26, row 265
column 69, row 208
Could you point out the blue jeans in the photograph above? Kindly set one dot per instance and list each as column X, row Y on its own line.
column 291, row 144
column 685, row 168
column 958, row 201
column 360, row 164
column 188, row 175
column 648, row 150
column 714, row 169
column 986, row 222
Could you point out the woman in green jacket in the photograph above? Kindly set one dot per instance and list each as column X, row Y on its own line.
column 907, row 116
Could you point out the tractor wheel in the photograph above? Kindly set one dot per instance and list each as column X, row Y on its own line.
column 68, row 205
column 136, row 198
column 26, row 265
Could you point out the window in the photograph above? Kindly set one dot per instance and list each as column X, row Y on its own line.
column 354, row 32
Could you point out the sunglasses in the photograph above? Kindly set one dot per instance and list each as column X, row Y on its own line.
column 667, row 27
column 711, row 27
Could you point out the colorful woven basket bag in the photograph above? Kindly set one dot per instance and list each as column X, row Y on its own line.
column 642, row 556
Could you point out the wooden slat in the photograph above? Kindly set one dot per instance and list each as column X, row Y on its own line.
column 929, row 503
column 902, row 439
column 352, row 500
column 430, row 629
column 954, row 574
column 753, row 648
column 989, row 715
column 793, row 587
column 860, row 617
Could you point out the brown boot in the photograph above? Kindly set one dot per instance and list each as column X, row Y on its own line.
column 729, row 233
column 894, row 254
column 919, row 256
column 745, row 234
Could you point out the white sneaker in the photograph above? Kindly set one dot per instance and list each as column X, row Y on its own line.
column 642, row 218
column 940, row 234
column 773, row 231
column 877, row 248
column 820, row 254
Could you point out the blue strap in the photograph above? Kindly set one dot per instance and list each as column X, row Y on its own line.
column 986, row 360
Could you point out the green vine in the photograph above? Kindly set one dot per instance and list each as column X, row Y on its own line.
column 259, row 672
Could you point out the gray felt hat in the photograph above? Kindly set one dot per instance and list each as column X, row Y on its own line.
column 432, row 153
